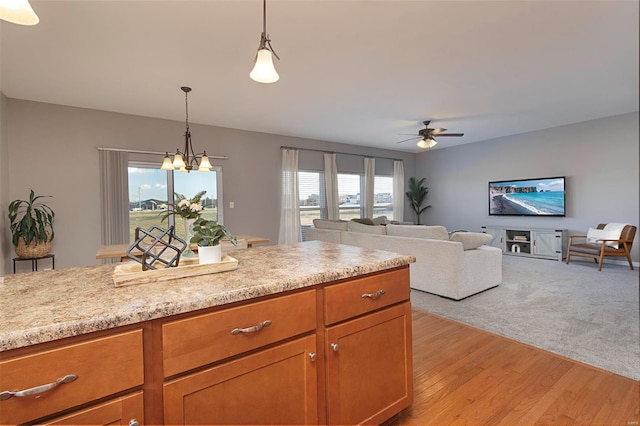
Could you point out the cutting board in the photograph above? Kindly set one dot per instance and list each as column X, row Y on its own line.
column 131, row 273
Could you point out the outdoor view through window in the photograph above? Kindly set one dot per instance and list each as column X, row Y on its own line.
column 312, row 199
column 150, row 189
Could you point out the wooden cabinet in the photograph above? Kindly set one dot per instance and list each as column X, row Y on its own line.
column 369, row 368
column 336, row 353
column 543, row 243
column 68, row 376
column 273, row 386
column 125, row 411
column 369, row 348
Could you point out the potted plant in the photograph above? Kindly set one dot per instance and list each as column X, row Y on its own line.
column 207, row 235
column 31, row 226
column 417, row 194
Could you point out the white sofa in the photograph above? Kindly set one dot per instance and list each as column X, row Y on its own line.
column 455, row 266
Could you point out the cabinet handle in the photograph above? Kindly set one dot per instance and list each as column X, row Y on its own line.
column 313, row 356
column 134, row 422
column 373, row 295
column 335, row 347
column 251, row 329
column 38, row 389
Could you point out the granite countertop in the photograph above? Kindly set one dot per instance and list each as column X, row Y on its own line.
column 38, row 307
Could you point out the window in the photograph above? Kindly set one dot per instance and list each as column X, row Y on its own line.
column 383, row 193
column 349, row 196
column 312, row 199
column 151, row 193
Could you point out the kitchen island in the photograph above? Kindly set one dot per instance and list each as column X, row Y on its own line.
column 285, row 328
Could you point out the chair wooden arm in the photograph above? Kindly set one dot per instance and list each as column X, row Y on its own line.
column 571, row 237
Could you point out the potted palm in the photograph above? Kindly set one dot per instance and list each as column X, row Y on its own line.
column 417, row 194
column 207, row 235
column 31, row 226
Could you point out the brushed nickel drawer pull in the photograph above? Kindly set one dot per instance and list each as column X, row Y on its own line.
column 251, row 329
column 373, row 295
column 38, row 389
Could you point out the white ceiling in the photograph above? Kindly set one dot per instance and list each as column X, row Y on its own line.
column 361, row 72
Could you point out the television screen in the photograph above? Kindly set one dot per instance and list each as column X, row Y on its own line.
column 527, row 197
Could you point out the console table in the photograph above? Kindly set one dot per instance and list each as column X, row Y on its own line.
column 531, row 242
column 34, row 261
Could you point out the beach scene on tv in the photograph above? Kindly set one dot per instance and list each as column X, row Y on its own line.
column 532, row 197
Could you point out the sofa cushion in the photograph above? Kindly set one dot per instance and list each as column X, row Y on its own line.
column 380, row 220
column 338, row 225
column 418, row 231
column 470, row 240
column 363, row 220
column 366, row 229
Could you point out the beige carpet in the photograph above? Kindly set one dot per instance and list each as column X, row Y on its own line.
column 572, row 310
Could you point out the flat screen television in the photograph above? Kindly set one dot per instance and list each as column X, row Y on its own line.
column 527, row 197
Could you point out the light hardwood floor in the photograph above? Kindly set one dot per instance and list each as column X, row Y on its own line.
column 463, row 375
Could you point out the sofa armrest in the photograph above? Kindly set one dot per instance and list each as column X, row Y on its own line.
column 326, row 235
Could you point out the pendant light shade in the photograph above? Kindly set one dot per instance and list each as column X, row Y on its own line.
column 18, row 12
column 263, row 71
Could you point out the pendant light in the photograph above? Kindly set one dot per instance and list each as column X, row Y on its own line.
column 187, row 160
column 18, row 12
column 264, row 71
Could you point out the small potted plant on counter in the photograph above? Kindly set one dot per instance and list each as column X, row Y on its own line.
column 207, row 235
column 31, row 226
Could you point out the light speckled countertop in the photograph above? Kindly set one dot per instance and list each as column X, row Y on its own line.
column 43, row 306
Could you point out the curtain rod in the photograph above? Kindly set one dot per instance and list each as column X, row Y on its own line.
column 136, row 151
column 342, row 153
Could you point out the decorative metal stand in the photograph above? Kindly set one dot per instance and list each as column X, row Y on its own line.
column 158, row 246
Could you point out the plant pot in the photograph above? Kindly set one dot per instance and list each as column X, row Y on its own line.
column 33, row 250
column 210, row 254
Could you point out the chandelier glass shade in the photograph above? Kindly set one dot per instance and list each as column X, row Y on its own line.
column 263, row 71
column 427, row 143
column 187, row 160
column 18, row 12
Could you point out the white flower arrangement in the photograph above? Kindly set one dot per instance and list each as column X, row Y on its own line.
column 186, row 208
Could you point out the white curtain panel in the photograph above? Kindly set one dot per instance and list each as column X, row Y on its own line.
column 369, row 181
column 398, row 190
column 331, row 186
column 290, row 212
column 114, row 198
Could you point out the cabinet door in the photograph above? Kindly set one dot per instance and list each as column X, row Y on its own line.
column 274, row 386
column 369, row 367
column 126, row 411
column 544, row 244
column 498, row 237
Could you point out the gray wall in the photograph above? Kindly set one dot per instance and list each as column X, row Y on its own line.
column 598, row 157
column 53, row 149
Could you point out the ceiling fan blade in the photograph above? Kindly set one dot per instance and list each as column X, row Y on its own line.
column 451, row 134
column 415, row 137
column 438, row 131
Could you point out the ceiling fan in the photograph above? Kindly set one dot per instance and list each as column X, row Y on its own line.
column 427, row 136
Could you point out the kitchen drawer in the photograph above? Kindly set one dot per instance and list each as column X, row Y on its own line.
column 359, row 296
column 126, row 411
column 103, row 366
column 192, row 342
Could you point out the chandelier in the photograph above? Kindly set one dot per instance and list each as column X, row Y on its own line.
column 18, row 12
column 187, row 160
column 264, row 71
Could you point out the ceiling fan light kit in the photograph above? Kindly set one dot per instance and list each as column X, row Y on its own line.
column 263, row 71
column 427, row 136
column 187, row 160
column 18, row 12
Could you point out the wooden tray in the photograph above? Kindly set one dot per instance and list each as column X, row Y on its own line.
column 131, row 273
